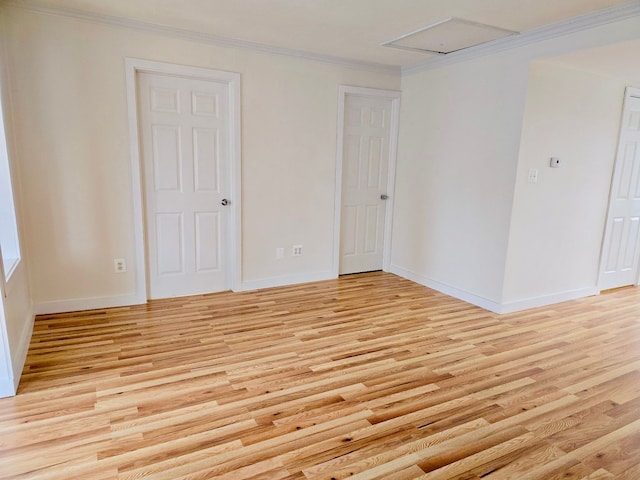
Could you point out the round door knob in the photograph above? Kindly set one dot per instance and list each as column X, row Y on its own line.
column 384, row 196
column 225, row 202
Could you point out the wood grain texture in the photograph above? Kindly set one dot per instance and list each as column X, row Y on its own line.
column 366, row 377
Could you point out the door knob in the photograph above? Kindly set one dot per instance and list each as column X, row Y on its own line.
column 384, row 196
column 225, row 202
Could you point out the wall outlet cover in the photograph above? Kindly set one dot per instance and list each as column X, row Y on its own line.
column 119, row 265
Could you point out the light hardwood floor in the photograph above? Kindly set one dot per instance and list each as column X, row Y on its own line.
column 367, row 377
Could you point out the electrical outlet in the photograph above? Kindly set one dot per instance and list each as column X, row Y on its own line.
column 119, row 265
column 533, row 175
column 279, row 253
column 297, row 251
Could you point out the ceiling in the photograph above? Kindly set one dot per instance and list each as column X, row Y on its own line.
column 350, row 30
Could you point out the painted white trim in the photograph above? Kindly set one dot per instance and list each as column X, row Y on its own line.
column 544, row 300
column 3, row 278
column 91, row 303
column 7, row 382
column 132, row 67
column 495, row 307
column 622, row 11
column 200, row 37
column 447, row 289
column 394, row 96
column 287, row 280
column 391, row 180
column 235, row 217
column 6, row 388
column 19, row 355
column 615, row 13
column 136, row 185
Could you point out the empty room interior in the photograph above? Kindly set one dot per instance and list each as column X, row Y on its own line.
column 320, row 239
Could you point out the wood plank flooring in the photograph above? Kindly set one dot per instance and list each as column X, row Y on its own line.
column 366, row 377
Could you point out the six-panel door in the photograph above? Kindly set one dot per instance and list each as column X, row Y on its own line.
column 184, row 126
column 621, row 246
column 367, row 131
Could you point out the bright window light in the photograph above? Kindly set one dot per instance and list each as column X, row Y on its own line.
column 9, row 243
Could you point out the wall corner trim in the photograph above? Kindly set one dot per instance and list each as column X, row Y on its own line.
column 447, row 289
column 495, row 307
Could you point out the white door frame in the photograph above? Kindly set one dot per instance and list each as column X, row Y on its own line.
column 394, row 96
column 234, row 250
column 3, row 279
column 628, row 93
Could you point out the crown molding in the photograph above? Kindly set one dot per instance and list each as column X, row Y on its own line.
column 616, row 13
column 200, row 37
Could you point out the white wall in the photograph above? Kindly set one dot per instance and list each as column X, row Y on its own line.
column 457, row 162
column 557, row 223
column 458, row 149
column 71, row 124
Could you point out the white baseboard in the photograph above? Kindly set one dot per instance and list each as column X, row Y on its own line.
column 19, row 355
column 495, row 307
column 447, row 289
column 544, row 300
column 77, row 304
column 285, row 280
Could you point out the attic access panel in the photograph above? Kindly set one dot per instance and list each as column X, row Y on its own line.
column 448, row 36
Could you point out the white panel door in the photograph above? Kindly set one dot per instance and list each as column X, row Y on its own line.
column 365, row 160
column 184, row 126
column 621, row 245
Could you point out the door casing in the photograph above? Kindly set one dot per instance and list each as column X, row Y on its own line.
column 234, row 251
column 394, row 96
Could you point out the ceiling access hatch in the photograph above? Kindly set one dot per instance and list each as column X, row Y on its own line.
column 448, row 36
